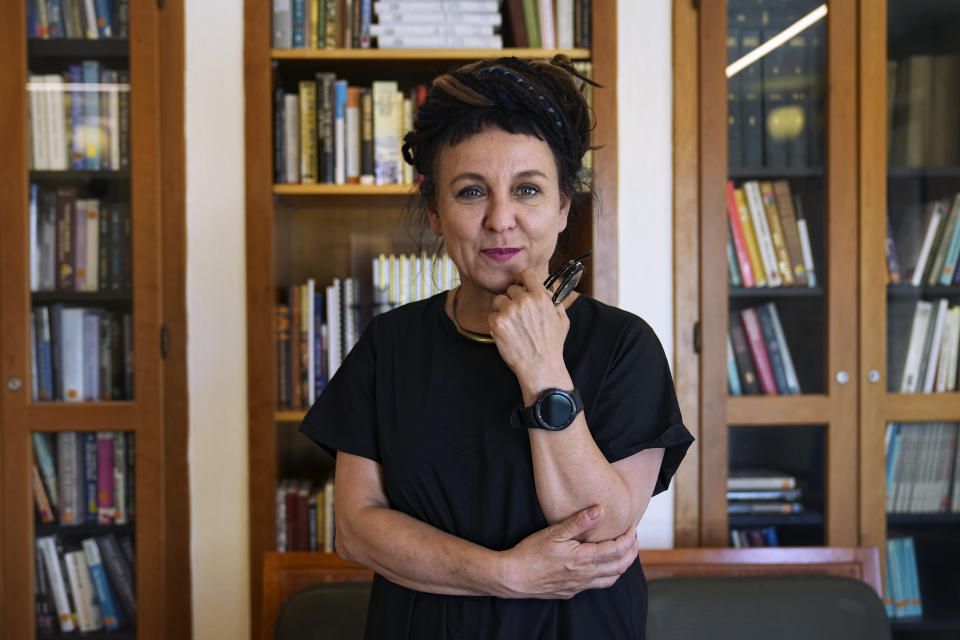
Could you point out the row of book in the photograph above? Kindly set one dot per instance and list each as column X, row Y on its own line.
column 429, row 24
column 79, row 119
column 754, row 537
column 902, row 589
column 85, row 585
column 315, row 330
column 304, row 515
column 924, row 344
column 80, row 354
column 82, row 19
column 923, row 100
column 84, row 477
column 332, row 133
column 936, row 262
column 78, row 243
column 758, row 356
column 922, row 468
column 775, row 105
column 762, row 491
column 768, row 243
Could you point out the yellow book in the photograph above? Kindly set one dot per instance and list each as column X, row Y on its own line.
column 753, row 250
column 776, row 233
column 314, row 22
column 308, row 132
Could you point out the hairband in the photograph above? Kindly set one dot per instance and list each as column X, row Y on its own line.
column 526, row 85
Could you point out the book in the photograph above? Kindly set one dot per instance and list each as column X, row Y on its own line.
column 112, row 616
column 783, row 262
column 916, row 342
column 119, row 571
column 44, row 510
column 932, row 349
column 56, row 581
column 782, row 495
column 733, row 376
column 942, row 243
column 750, row 239
column 386, row 125
column 758, row 349
column 763, row 507
column 805, row 246
column 105, row 477
column 736, row 224
column 69, row 478
column 759, row 479
column 774, row 352
column 793, row 383
column 758, row 216
column 307, row 101
column 84, row 594
column 44, row 458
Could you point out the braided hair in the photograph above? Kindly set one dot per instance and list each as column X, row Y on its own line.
column 536, row 98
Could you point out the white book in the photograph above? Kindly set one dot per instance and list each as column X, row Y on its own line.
column 793, row 383
column 407, row 125
column 939, row 211
column 806, row 250
column 564, row 24
column 333, row 328
column 113, row 119
column 954, row 350
column 946, row 345
column 57, row 123
column 353, row 139
column 430, row 6
column 439, row 42
column 933, row 352
column 91, row 359
column 84, row 595
column 428, row 29
column 758, row 216
column 119, row 478
column 309, row 308
column 440, row 17
column 282, row 24
column 92, row 33
column 92, row 282
column 71, row 353
column 548, row 28
column 56, row 582
column 340, row 132
column 915, row 344
column 291, row 137
column 38, row 123
column 386, row 124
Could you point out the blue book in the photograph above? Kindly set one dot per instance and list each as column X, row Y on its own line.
column 733, row 375
column 320, row 365
column 41, row 335
column 888, row 591
column 914, row 606
column 298, row 16
column 770, row 536
column 91, row 116
column 90, row 476
column 893, row 449
column 953, row 254
column 33, row 20
column 48, row 471
column 112, row 615
column 54, row 18
column 104, row 11
column 897, row 586
column 77, row 127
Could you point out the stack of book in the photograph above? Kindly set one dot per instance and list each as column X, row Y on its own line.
column 399, row 279
column 84, row 19
column 762, row 491
column 936, row 259
column 923, row 97
column 902, row 589
column 437, row 24
column 922, row 468
column 80, row 119
column 768, row 243
column 758, row 357
column 924, row 339
column 332, row 133
column 762, row 537
column 77, row 243
column 84, row 585
column 304, row 515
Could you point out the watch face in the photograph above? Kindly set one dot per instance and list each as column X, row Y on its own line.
column 556, row 409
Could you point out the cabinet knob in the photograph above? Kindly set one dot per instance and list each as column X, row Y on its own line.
column 14, row 384
column 842, row 377
column 873, row 376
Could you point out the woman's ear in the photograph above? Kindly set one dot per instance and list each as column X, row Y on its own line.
column 433, row 217
column 565, row 202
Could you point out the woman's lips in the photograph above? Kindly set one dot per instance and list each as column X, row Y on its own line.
column 501, row 255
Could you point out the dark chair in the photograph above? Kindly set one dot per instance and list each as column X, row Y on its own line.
column 794, row 607
column 325, row 611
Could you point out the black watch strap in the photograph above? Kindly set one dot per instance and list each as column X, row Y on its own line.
column 553, row 410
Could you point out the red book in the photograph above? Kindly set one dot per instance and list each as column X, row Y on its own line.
column 739, row 241
column 751, row 325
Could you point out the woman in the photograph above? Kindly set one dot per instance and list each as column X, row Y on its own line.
column 496, row 451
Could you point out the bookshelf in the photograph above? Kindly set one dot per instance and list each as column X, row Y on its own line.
column 145, row 414
column 846, row 339
column 300, row 231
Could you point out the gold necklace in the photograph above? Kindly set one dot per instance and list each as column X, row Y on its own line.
column 485, row 338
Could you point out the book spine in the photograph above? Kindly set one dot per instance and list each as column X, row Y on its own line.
column 291, row 138
column 776, row 233
column 282, row 329
column 750, row 239
column 105, row 477
column 84, row 596
column 751, row 326
column 918, row 333
column 119, row 478
column 404, row 17
column 733, row 376
column 439, row 42
column 353, row 134
column 119, row 572
column 68, row 476
column 773, row 348
column 764, row 240
column 279, row 137
column 90, row 502
column 282, row 24
column 91, row 115
column 386, row 115
column 112, row 617
column 366, row 137
column 41, row 450
column 40, row 497
column 739, row 238
column 340, row 132
column 308, row 133
column 793, row 383
column 56, row 582
column 44, row 606
column 805, row 246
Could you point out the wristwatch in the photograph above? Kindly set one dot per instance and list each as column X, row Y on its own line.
column 553, row 410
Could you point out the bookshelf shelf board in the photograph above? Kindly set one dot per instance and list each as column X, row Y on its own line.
column 926, row 624
column 432, row 55
column 343, row 189
column 778, row 410
column 82, row 297
column 289, row 416
column 114, row 415
column 120, row 634
column 773, row 173
column 923, row 407
column 902, row 290
column 923, row 172
column 923, row 519
column 776, row 292
column 803, row 519
column 78, row 177
column 82, row 530
column 76, row 48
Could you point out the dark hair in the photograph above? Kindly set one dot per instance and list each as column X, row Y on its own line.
column 537, row 98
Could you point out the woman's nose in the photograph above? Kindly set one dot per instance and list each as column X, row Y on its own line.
column 501, row 215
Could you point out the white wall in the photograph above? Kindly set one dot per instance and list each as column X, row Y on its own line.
column 215, row 276
column 645, row 215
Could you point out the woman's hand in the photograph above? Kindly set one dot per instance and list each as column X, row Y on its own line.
column 552, row 564
column 529, row 331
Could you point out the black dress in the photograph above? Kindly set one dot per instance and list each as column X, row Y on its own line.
column 433, row 409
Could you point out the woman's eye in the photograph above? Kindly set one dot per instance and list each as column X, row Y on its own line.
column 528, row 190
column 470, row 193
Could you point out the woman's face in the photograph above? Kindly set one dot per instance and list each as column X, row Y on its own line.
column 498, row 207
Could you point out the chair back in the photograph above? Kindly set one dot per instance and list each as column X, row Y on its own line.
column 795, row 607
column 325, row 611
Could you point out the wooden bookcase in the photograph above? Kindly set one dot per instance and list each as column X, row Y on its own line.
column 156, row 415
column 300, row 231
column 853, row 414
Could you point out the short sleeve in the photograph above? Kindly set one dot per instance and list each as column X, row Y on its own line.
column 636, row 406
column 344, row 416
